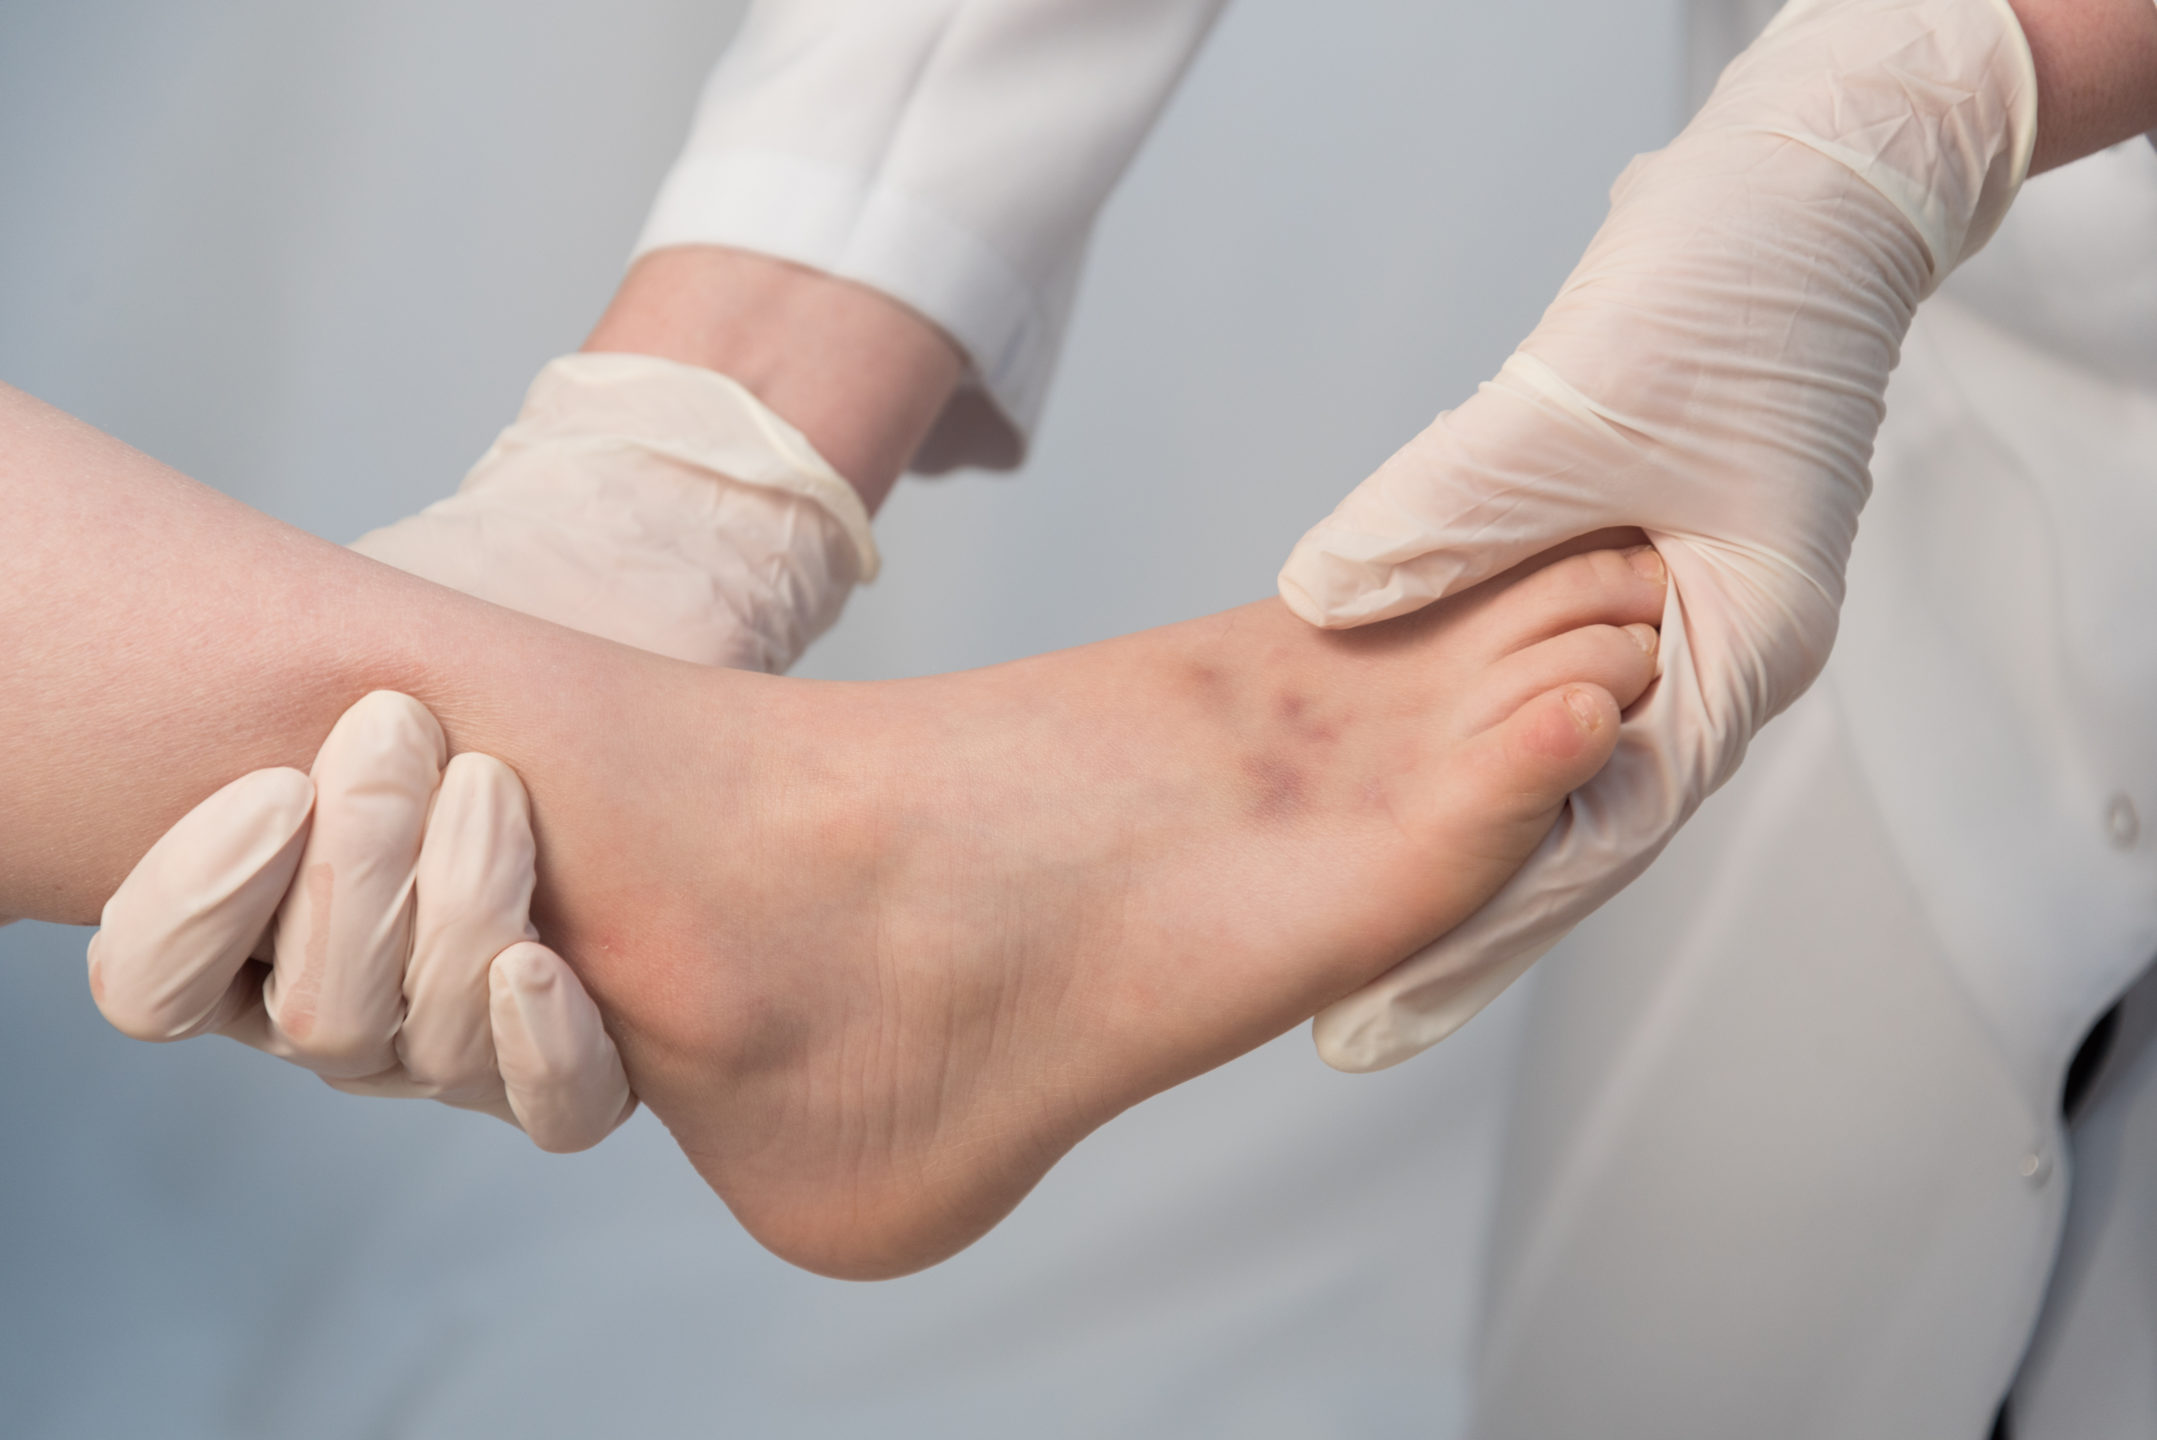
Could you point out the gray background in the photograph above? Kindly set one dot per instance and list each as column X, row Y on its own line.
column 312, row 254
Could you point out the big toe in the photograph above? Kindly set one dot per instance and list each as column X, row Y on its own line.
column 1556, row 710
column 1547, row 748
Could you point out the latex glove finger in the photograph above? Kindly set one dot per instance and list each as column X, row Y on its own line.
column 173, row 939
column 473, row 895
column 334, row 998
column 563, row 1075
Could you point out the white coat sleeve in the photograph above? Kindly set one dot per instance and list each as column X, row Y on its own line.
column 950, row 153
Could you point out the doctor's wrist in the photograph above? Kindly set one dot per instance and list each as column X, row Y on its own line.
column 860, row 375
column 2096, row 64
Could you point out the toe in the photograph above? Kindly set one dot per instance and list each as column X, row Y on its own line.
column 1544, row 751
column 1602, row 587
column 1619, row 660
column 1502, row 790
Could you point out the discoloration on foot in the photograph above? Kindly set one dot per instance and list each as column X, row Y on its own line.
column 1308, row 718
column 1277, row 789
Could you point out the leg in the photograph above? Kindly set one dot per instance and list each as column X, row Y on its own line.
column 878, row 954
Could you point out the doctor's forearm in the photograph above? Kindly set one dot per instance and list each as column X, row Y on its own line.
column 2096, row 74
column 859, row 374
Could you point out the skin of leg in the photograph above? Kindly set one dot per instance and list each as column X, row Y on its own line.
column 878, row 954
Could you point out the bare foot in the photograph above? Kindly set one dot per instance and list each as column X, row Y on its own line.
column 906, row 943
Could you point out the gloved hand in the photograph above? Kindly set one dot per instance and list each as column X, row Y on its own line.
column 649, row 502
column 400, row 963
column 657, row 504
column 1713, row 373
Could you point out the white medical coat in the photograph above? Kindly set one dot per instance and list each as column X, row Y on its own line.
column 950, row 153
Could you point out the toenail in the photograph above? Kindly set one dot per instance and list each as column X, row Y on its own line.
column 1645, row 636
column 1647, row 562
column 1584, row 708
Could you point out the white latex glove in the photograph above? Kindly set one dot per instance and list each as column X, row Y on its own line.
column 657, row 504
column 1712, row 372
column 649, row 502
column 388, row 895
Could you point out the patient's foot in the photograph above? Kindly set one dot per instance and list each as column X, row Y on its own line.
column 907, row 943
